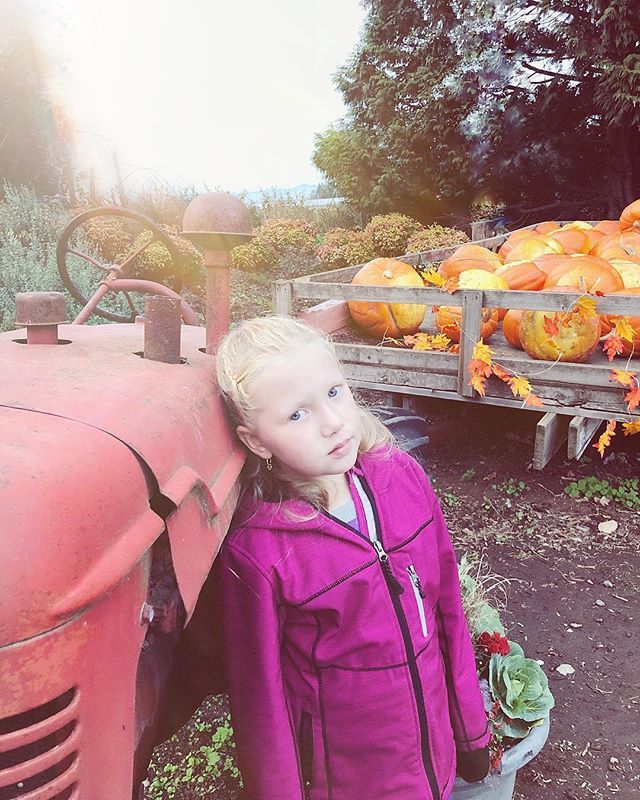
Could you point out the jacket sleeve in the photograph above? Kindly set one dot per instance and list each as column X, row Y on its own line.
column 466, row 707
column 263, row 731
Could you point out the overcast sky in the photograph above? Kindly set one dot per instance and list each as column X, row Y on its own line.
column 202, row 91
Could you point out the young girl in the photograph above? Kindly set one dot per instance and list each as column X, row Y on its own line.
column 350, row 667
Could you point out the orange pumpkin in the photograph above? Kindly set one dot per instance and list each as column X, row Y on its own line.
column 629, row 270
column 573, row 240
column 594, row 236
column 523, row 276
column 611, row 252
column 630, row 217
column 390, row 319
column 449, row 319
column 630, row 242
column 476, row 252
column 608, row 226
column 511, row 327
column 452, row 268
column 587, row 273
column 608, row 240
column 528, row 249
column 512, row 240
column 575, row 341
column 546, row 227
column 608, row 321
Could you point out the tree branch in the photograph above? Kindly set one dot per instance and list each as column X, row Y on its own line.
column 541, row 71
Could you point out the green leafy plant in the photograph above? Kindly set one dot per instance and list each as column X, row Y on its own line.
column 517, row 695
column 154, row 263
column 626, row 492
column 450, row 499
column 521, row 690
column 198, row 768
column 390, row 233
column 343, row 248
column 435, row 236
column 257, row 255
column 511, row 487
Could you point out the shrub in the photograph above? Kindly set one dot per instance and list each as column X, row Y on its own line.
column 390, row 233
column 107, row 236
column 343, row 248
column 289, row 234
column 258, row 255
column 435, row 236
column 154, row 263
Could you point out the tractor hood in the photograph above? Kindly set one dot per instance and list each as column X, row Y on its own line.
column 89, row 433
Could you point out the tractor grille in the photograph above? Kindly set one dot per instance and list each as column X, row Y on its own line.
column 38, row 751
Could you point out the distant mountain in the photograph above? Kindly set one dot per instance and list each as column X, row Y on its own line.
column 304, row 190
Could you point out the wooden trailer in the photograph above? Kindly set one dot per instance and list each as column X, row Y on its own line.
column 576, row 398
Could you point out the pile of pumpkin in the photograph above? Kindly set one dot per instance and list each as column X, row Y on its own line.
column 600, row 259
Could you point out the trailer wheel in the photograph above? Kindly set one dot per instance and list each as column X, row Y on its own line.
column 409, row 429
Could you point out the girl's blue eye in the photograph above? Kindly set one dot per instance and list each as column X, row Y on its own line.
column 297, row 415
column 334, row 391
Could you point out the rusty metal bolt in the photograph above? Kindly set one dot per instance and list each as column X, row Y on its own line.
column 162, row 327
column 147, row 614
column 41, row 313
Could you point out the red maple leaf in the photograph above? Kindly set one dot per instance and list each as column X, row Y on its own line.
column 613, row 346
column 551, row 326
column 632, row 398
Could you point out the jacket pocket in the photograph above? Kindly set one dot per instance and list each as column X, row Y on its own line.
column 418, row 594
column 305, row 736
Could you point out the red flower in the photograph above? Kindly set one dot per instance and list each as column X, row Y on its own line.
column 493, row 643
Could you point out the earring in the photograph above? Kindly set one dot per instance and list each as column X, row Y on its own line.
column 269, row 464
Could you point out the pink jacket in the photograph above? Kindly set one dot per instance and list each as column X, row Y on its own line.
column 351, row 671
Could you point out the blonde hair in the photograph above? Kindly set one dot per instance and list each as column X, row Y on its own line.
column 241, row 358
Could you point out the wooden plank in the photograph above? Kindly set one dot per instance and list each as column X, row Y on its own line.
column 581, row 431
column 540, row 301
column 418, row 360
column 551, row 432
column 398, row 380
column 332, row 316
column 282, row 297
column 470, row 326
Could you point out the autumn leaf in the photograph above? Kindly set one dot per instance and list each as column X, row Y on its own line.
column 455, row 348
column 605, row 439
column 501, row 373
column 586, row 307
column 551, row 325
column 519, row 386
column 482, row 352
column 613, row 346
column 623, row 377
column 479, row 371
column 440, row 341
column 532, row 400
column 452, row 285
column 632, row 398
column 433, row 278
column 624, row 329
column 631, row 427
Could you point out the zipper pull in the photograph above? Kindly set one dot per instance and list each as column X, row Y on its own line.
column 383, row 558
column 415, row 580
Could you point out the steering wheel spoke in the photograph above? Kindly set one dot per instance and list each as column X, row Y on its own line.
column 66, row 247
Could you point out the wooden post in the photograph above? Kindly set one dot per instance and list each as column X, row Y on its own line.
column 470, row 327
column 581, row 431
column 282, row 297
column 551, row 432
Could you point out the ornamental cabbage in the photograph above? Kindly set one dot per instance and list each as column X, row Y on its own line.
column 521, row 689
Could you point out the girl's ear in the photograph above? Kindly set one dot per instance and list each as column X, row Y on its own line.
column 251, row 440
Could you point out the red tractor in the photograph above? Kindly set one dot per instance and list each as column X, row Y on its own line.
column 118, row 481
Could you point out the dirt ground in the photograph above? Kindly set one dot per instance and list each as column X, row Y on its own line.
column 573, row 596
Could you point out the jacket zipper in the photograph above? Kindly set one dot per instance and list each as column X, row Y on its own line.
column 417, row 591
column 393, row 584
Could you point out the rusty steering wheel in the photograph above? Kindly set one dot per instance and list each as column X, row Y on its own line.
column 113, row 275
